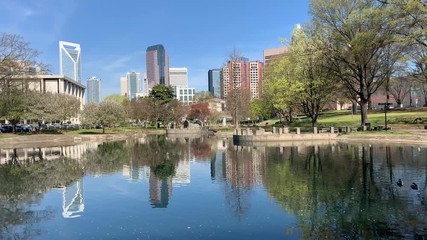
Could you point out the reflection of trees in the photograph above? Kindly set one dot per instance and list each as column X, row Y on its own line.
column 353, row 196
column 22, row 185
column 242, row 170
column 109, row 157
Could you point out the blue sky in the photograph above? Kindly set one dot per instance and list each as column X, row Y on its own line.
column 197, row 34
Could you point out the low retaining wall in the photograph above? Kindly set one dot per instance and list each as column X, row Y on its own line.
column 186, row 131
column 244, row 136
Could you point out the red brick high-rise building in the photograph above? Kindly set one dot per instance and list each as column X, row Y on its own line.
column 242, row 74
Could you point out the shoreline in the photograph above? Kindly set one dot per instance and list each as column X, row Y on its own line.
column 45, row 140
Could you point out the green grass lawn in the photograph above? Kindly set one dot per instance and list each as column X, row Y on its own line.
column 408, row 118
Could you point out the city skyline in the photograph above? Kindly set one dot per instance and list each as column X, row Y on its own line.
column 116, row 47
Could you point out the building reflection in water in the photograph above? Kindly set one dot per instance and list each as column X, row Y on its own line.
column 72, row 200
column 32, row 154
column 72, row 195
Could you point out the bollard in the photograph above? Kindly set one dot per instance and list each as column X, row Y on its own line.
column 248, row 131
column 348, row 129
column 332, row 130
column 242, row 131
column 285, row 130
column 298, row 130
column 280, row 131
column 274, row 130
column 315, row 130
column 236, row 131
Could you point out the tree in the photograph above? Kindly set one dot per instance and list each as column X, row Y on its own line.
column 17, row 59
column 359, row 45
column 399, row 88
column 202, row 96
column 311, row 86
column 162, row 93
column 116, row 98
column 199, row 111
column 66, row 107
column 105, row 114
column 237, row 104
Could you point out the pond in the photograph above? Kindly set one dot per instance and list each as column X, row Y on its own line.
column 207, row 188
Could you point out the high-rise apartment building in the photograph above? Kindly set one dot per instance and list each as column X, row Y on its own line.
column 178, row 77
column 93, row 90
column 214, row 82
column 69, row 60
column 157, row 66
column 123, row 86
column 242, row 74
column 134, row 84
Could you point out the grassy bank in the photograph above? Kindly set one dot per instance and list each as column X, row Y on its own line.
column 401, row 119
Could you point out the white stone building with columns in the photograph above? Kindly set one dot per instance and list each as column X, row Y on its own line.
column 59, row 84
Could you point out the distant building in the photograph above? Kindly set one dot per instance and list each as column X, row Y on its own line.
column 270, row 54
column 185, row 95
column 242, row 74
column 178, row 77
column 157, row 66
column 214, row 82
column 54, row 84
column 123, row 86
column 134, row 84
column 69, row 60
column 93, row 90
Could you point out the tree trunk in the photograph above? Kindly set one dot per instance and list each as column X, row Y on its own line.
column 364, row 113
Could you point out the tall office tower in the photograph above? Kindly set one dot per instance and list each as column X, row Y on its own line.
column 69, row 60
column 134, row 84
column 123, row 86
column 242, row 74
column 214, row 82
column 93, row 90
column 157, row 66
column 178, row 77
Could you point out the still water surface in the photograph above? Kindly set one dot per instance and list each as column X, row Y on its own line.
column 161, row 188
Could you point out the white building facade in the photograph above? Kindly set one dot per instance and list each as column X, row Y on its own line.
column 185, row 95
column 178, row 77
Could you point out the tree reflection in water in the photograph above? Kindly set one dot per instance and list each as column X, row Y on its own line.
column 350, row 191
column 335, row 191
column 23, row 185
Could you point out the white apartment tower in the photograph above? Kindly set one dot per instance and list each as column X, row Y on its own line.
column 69, row 60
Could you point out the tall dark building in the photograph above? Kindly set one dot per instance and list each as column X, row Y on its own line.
column 157, row 66
column 214, row 82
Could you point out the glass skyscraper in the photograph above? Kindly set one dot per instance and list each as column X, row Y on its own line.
column 134, row 84
column 214, row 82
column 93, row 90
column 157, row 66
column 69, row 60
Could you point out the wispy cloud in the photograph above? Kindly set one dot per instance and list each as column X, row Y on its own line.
column 42, row 19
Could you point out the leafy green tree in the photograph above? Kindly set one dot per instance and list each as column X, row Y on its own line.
column 359, row 43
column 162, row 93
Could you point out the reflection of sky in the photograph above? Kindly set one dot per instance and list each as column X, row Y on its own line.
column 118, row 208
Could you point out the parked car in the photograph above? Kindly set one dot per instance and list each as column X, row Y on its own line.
column 23, row 128
column 6, row 128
